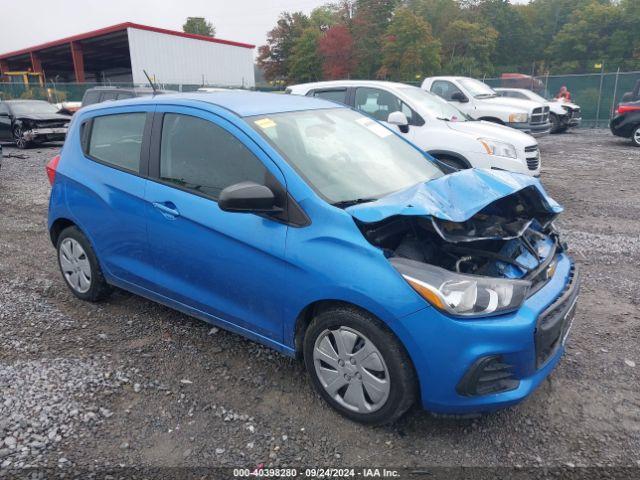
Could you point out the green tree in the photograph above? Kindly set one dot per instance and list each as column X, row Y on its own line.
column 470, row 45
column 438, row 13
column 273, row 57
column 305, row 63
column 370, row 23
column 596, row 32
column 199, row 26
column 409, row 50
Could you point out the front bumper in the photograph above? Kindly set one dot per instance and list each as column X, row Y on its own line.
column 574, row 121
column 536, row 130
column 444, row 349
column 48, row 134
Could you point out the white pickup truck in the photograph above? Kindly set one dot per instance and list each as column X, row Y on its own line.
column 435, row 126
column 480, row 101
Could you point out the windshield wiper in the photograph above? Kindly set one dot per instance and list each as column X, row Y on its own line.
column 351, row 203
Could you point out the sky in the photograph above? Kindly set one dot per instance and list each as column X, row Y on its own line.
column 24, row 24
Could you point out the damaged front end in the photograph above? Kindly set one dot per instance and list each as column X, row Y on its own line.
column 467, row 253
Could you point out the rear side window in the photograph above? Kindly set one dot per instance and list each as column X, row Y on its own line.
column 201, row 156
column 339, row 96
column 117, row 140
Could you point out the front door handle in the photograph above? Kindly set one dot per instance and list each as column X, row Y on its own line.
column 168, row 209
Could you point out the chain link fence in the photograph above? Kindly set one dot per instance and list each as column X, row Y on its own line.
column 597, row 94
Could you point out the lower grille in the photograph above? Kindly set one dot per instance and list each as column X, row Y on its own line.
column 533, row 157
column 487, row 375
column 553, row 324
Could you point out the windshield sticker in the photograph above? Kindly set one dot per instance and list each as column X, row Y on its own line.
column 375, row 127
column 265, row 123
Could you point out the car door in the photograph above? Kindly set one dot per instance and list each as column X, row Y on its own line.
column 446, row 89
column 107, row 193
column 5, row 122
column 379, row 103
column 227, row 265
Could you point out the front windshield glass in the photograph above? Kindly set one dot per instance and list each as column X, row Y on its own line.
column 477, row 88
column 535, row 97
column 438, row 107
column 33, row 108
column 343, row 155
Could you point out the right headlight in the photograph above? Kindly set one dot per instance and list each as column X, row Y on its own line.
column 460, row 294
column 501, row 149
column 519, row 118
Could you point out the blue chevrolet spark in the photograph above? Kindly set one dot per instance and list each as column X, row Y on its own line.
column 317, row 231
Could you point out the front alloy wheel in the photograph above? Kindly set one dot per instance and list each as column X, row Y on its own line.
column 18, row 138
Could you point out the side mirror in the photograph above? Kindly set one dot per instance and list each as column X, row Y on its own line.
column 459, row 97
column 248, row 197
column 399, row 119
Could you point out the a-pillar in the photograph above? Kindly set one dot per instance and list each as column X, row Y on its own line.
column 78, row 61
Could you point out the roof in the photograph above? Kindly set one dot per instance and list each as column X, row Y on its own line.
column 117, row 28
column 241, row 102
column 347, row 83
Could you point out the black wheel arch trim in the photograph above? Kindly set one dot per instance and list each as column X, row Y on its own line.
column 449, row 153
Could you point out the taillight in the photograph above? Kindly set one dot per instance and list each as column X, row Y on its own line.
column 51, row 168
column 628, row 108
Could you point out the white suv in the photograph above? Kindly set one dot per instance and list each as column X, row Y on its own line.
column 433, row 125
column 481, row 102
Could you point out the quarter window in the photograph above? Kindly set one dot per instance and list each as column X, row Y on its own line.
column 201, row 156
column 117, row 139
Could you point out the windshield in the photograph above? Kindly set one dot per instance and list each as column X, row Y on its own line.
column 343, row 155
column 535, row 97
column 435, row 105
column 33, row 107
column 477, row 89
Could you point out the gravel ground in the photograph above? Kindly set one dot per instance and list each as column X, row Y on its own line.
column 130, row 382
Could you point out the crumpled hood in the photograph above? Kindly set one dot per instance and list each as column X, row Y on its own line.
column 456, row 197
column 44, row 117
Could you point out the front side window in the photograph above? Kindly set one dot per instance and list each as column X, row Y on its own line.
column 444, row 89
column 117, row 139
column 343, row 155
column 198, row 155
column 435, row 105
column 380, row 103
column 339, row 96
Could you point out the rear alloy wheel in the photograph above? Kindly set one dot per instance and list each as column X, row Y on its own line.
column 635, row 137
column 358, row 366
column 18, row 138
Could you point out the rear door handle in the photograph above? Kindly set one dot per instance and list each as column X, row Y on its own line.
column 168, row 209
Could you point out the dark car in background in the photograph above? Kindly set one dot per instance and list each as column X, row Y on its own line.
column 103, row 94
column 29, row 122
column 626, row 121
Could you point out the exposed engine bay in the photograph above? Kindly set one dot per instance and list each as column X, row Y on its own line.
column 509, row 238
column 485, row 265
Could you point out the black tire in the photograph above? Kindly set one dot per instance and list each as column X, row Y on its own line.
column 556, row 124
column 403, row 385
column 98, row 289
column 635, row 136
column 18, row 138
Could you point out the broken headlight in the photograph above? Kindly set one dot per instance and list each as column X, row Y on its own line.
column 459, row 294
